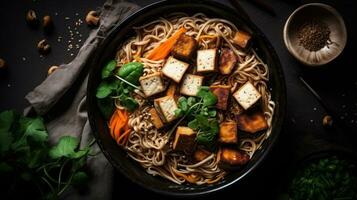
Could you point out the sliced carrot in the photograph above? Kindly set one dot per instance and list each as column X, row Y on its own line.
column 163, row 50
column 122, row 136
column 119, row 127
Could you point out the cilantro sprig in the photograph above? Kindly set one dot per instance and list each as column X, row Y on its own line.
column 201, row 112
column 27, row 158
column 118, row 84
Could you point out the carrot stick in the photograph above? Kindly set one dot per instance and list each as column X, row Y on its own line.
column 122, row 136
column 163, row 50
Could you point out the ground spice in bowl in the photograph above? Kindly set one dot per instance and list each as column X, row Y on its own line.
column 314, row 35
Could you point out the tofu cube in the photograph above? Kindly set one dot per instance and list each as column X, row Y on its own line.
column 241, row 38
column 201, row 154
column 171, row 91
column 152, row 84
column 206, row 60
column 166, row 107
column 228, row 132
column 191, row 84
column 174, row 69
column 252, row 122
column 227, row 61
column 222, row 93
column 247, row 95
column 155, row 118
column 184, row 47
column 233, row 157
column 184, row 140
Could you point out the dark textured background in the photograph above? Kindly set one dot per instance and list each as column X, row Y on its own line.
column 302, row 133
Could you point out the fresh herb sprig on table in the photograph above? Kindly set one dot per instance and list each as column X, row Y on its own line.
column 28, row 161
column 328, row 178
column 118, row 84
column 201, row 112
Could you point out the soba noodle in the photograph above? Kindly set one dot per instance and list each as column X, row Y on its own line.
column 151, row 147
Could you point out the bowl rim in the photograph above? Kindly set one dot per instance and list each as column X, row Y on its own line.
column 272, row 138
column 330, row 9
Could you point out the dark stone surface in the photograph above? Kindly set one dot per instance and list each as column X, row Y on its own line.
column 302, row 134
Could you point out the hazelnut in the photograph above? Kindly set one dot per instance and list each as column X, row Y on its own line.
column 31, row 19
column 47, row 24
column 52, row 69
column 92, row 18
column 2, row 64
column 327, row 121
column 43, row 47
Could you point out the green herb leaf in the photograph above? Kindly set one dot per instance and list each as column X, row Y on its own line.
column 191, row 101
column 5, row 167
column 33, row 131
column 212, row 113
column 108, row 69
column 65, row 148
column 79, row 178
column 131, row 72
column 7, row 119
column 106, row 87
column 209, row 99
column 128, row 102
column 182, row 103
column 178, row 112
column 106, row 106
column 193, row 124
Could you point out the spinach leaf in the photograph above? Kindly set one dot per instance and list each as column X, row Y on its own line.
column 130, row 68
column 108, row 69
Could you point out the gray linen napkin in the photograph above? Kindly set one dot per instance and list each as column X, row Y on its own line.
column 68, row 84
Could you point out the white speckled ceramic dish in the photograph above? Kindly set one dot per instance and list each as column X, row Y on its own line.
column 320, row 12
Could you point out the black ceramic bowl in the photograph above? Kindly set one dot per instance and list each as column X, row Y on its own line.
column 122, row 32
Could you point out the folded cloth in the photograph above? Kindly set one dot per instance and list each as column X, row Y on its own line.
column 61, row 99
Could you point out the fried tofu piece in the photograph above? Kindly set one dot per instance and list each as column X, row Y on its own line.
column 227, row 61
column 252, row 122
column 222, row 92
column 171, row 91
column 166, row 107
column 228, row 132
column 184, row 47
column 242, row 39
column 155, row 118
column 184, row 140
column 174, row 69
column 233, row 157
column 247, row 95
column 191, row 84
column 201, row 154
column 206, row 60
column 152, row 84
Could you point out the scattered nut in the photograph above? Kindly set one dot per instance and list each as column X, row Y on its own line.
column 52, row 69
column 327, row 121
column 2, row 64
column 43, row 47
column 31, row 19
column 92, row 18
column 47, row 24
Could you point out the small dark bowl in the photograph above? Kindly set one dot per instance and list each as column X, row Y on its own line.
column 122, row 32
